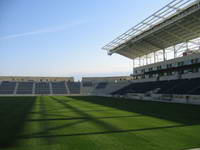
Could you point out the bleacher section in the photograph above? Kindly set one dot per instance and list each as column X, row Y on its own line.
column 115, row 86
column 42, row 88
column 103, row 88
column 87, row 84
column 98, row 88
column 101, row 85
column 25, row 88
column 31, row 88
column 178, row 87
column 186, row 86
column 87, row 87
column 74, row 87
column 7, row 87
column 59, row 88
column 182, row 86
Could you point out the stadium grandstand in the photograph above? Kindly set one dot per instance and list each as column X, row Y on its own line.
column 165, row 49
column 156, row 107
column 33, row 86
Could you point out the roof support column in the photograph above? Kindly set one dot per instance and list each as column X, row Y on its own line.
column 146, row 60
column 174, row 49
column 199, row 41
column 187, row 46
column 164, row 58
column 133, row 65
column 139, row 62
column 154, row 55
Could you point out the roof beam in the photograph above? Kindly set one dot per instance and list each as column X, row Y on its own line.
column 185, row 28
column 153, row 44
column 129, row 54
column 158, row 16
column 175, row 8
column 137, row 47
column 142, row 52
column 173, row 35
column 134, row 46
column 162, row 40
column 196, row 18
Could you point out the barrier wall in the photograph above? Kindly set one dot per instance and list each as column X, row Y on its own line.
column 171, row 98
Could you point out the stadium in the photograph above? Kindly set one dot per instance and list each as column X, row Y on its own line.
column 156, row 107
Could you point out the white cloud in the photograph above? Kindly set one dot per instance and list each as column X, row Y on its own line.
column 45, row 30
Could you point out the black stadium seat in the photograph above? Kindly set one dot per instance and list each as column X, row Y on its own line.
column 25, row 88
column 7, row 87
column 101, row 85
column 183, row 86
column 59, row 88
column 74, row 87
column 42, row 88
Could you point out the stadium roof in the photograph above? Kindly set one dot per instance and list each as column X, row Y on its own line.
column 177, row 22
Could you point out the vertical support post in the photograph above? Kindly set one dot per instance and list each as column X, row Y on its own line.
column 187, row 47
column 139, row 62
column 154, row 55
column 33, row 90
column 50, row 88
column 174, row 51
column 164, row 55
column 146, row 59
column 198, row 42
column 133, row 65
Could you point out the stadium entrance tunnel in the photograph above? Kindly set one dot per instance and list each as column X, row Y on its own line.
column 180, row 113
column 13, row 112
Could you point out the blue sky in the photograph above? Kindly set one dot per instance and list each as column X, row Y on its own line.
column 65, row 37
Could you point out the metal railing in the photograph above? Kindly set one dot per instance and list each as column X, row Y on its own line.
column 161, row 15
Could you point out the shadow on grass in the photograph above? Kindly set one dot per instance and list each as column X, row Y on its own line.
column 13, row 112
column 100, row 123
column 181, row 113
column 174, row 112
column 49, row 129
column 105, row 132
column 44, row 125
column 85, row 118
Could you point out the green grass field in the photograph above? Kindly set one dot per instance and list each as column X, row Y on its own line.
column 96, row 123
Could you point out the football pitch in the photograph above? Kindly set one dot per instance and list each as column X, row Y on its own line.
column 96, row 123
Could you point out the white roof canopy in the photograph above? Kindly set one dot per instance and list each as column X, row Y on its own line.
column 177, row 22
